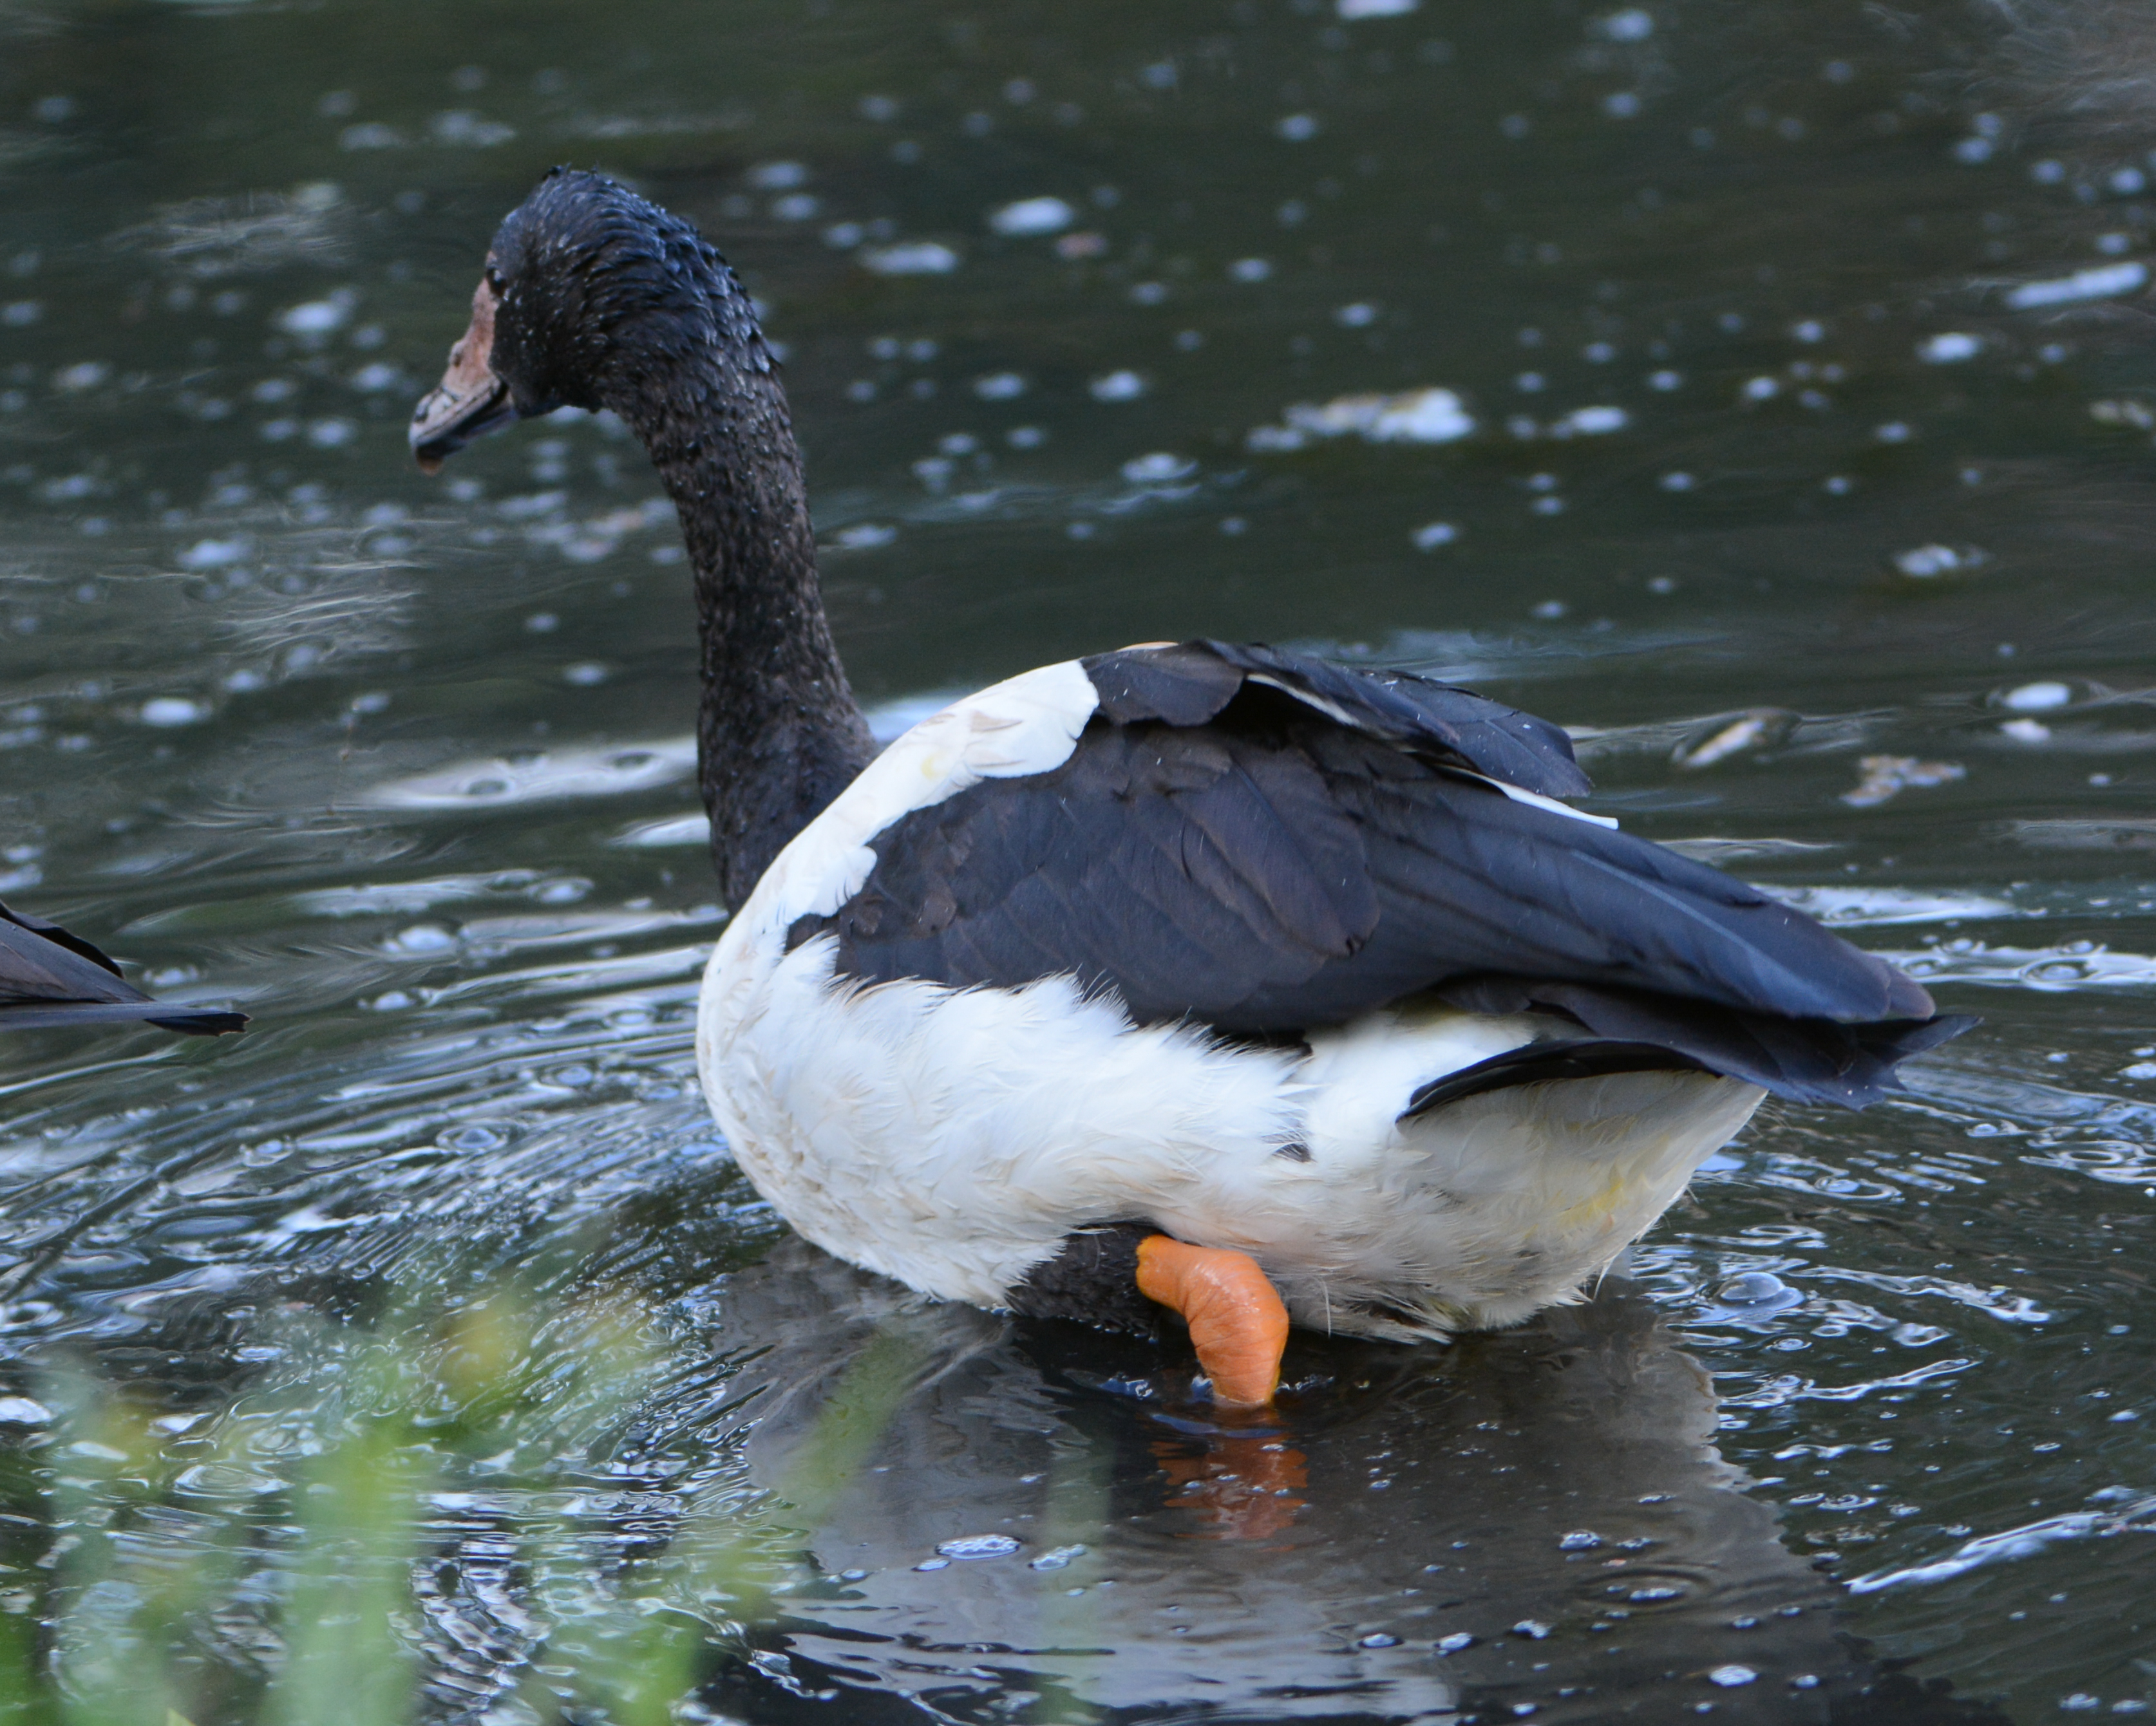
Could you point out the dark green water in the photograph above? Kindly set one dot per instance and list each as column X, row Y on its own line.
column 1807, row 352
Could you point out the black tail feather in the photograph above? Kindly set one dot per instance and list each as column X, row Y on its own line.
column 1806, row 1060
column 1540, row 1062
column 49, row 977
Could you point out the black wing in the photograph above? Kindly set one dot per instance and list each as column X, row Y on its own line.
column 1244, row 859
column 49, row 977
column 1192, row 683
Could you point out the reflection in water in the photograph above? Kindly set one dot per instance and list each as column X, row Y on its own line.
column 1536, row 1518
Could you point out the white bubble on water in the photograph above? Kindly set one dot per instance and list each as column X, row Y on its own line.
column 864, row 536
column 318, row 317
column 1249, row 270
column 166, row 711
column 911, row 257
column 778, row 175
column 1157, row 468
column 2037, row 697
column 1948, row 347
column 2102, row 282
column 1354, row 9
column 1925, row 562
column 1633, row 24
column 88, row 375
column 1591, row 423
column 1032, row 216
column 999, row 386
column 1432, row 535
column 976, row 1546
column 1124, row 386
column 1296, row 128
column 462, row 129
column 215, row 554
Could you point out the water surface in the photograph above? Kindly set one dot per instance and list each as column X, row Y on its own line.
column 1795, row 450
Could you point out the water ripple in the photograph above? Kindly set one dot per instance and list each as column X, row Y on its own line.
column 2136, row 1517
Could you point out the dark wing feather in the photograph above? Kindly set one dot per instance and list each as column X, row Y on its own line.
column 1542, row 1063
column 1191, row 682
column 49, row 977
column 1812, row 1060
column 1267, row 869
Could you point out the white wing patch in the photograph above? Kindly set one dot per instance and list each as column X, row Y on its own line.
column 1024, row 725
column 1536, row 800
column 1332, row 711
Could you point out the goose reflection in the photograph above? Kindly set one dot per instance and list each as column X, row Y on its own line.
column 1026, row 1517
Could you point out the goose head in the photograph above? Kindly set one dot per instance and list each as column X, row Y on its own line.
column 592, row 298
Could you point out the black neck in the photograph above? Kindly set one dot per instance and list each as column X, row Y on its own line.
column 778, row 735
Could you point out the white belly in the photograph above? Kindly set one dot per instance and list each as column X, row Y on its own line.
column 952, row 1139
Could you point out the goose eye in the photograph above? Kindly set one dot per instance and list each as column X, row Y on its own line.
column 494, row 280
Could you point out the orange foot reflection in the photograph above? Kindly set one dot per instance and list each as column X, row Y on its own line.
column 1239, row 1488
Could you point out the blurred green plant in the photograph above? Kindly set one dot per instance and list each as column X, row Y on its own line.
column 257, row 1566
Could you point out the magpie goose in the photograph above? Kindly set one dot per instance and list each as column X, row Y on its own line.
column 1195, row 975
column 49, row 977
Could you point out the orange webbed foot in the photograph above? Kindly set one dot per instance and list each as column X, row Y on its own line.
column 1237, row 1322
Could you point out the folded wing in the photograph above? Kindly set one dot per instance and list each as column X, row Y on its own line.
column 1266, row 844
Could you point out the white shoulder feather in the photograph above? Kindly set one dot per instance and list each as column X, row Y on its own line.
column 1028, row 723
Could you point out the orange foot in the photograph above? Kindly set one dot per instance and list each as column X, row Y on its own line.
column 1236, row 1320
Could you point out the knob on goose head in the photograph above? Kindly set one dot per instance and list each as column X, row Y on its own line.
column 591, row 294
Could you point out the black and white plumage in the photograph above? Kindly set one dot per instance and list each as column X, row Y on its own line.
column 51, row 978
column 1218, row 942
column 1260, row 842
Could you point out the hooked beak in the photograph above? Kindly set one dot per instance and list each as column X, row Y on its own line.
column 470, row 400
